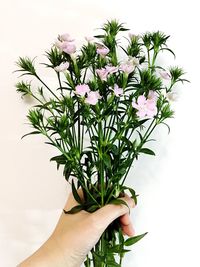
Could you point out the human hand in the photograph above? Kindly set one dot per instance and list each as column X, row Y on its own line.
column 76, row 234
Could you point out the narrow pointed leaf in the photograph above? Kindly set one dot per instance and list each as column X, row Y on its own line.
column 147, row 151
column 75, row 193
column 74, row 210
column 132, row 240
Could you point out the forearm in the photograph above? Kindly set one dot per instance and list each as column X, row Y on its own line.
column 48, row 255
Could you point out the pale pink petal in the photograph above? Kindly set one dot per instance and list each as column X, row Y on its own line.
column 165, row 75
column 82, row 89
column 127, row 68
column 118, row 91
column 141, row 100
column 152, row 95
column 66, row 37
column 151, row 112
column 150, row 103
column 141, row 113
column 103, row 51
column 102, row 73
column 135, row 105
column 111, row 69
column 68, row 47
column 92, row 98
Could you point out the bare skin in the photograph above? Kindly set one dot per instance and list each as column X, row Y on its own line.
column 76, row 234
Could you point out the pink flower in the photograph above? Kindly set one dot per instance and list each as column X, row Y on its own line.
column 103, row 51
column 127, row 68
column 92, row 98
column 129, row 65
column 165, row 75
column 65, row 37
column 146, row 106
column 102, row 73
column 62, row 67
column 58, row 44
column 111, row 69
column 68, row 47
column 82, row 89
column 118, row 91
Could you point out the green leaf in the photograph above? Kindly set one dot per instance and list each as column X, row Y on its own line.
column 133, row 194
column 75, row 193
column 67, row 170
column 61, row 159
column 166, row 48
column 34, row 132
column 119, row 201
column 147, row 151
column 92, row 208
column 112, row 263
column 24, row 88
column 107, row 160
column 74, row 210
column 26, row 65
column 117, row 249
column 132, row 240
column 166, row 126
column 114, row 150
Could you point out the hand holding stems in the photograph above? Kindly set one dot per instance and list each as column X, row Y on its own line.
column 76, row 234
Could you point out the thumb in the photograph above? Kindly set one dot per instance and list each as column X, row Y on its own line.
column 107, row 214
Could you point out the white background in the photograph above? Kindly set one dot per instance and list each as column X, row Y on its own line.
column 32, row 192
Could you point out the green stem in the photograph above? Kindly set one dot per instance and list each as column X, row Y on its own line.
column 79, row 130
column 84, row 76
column 88, row 261
column 102, row 248
column 60, row 84
column 121, row 258
column 90, row 128
column 148, row 54
column 145, row 137
column 156, row 51
column 47, row 87
column 101, row 167
column 82, row 137
column 77, row 169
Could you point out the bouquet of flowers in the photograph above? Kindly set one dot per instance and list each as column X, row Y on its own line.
column 110, row 96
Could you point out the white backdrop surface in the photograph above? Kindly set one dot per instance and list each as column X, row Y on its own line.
column 32, row 192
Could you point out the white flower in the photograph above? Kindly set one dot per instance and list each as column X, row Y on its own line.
column 172, row 96
column 62, row 67
column 135, row 61
column 129, row 65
